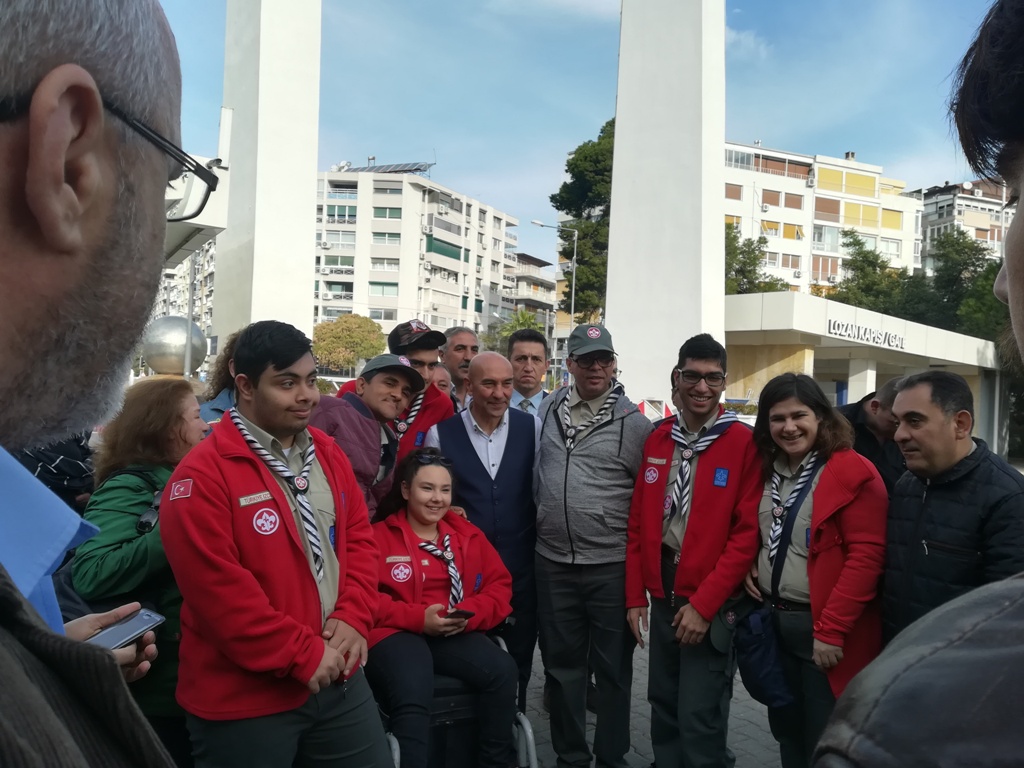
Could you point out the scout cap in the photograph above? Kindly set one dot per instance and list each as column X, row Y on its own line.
column 399, row 365
column 590, row 338
column 414, row 335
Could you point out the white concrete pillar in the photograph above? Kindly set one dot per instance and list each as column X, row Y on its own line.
column 861, row 381
column 272, row 86
column 666, row 259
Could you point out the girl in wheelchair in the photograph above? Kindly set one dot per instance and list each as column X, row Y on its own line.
column 442, row 586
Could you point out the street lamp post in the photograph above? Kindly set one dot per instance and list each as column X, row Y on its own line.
column 575, row 244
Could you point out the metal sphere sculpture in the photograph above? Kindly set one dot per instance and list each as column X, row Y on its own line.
column 163, row 345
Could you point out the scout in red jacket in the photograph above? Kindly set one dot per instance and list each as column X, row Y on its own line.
column 267, row 535
column 442, row 585
column 823, row 518
column 417, row 343
column 691, row 538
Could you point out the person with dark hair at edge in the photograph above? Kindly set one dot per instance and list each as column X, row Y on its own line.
column 267, row 534
column 947, row 688
column 157, row 425
column 433, row 562
column 822, row 519
column 692, row 538
column 414, row 341
column 956, row 520
column 873, row 429
column 493, row 450
column 220, row 390
column 591, row 448
column 528, row 352
column 460, row 347
column 361, row 422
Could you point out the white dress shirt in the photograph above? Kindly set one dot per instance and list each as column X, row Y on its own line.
column 489, row 448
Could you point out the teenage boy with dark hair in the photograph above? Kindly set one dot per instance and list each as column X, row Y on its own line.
column 693, row 533
column 421, row 346
column 269, row 540
column 360, row 422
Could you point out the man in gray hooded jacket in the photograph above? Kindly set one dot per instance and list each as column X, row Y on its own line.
column 591, row 446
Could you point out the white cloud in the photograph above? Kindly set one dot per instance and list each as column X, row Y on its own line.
column 745, row 45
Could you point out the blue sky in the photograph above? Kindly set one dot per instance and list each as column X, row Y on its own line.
column 498, row 91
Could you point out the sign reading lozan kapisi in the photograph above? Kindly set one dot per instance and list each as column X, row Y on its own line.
column 863, row 333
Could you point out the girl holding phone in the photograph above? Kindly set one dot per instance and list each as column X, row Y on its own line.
column 435, row 567
column 822, row 519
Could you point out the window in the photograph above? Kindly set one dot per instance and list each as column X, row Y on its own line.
column 343, row 240
column 870, row 241
column 770, row 228
column 331, row 313
column 826, row 239
column 733, row 220
column 445, row 249
column 340, row 290
column 733, row 192
column 892, row 219
column 387, row 238
column 917, row 253
column 860, row 215
column 790, row 261
column 830, row 179
column 482, row 216
column 823, row 268
column 792, row 231
column 794, row 201
column 479, row 237
column 890, row 249
column 497, row 223
column 734, row 158
column 771, row 259
column 387, row 187
column 478, row 305
column 384, row 265
column 387, row 213
column 331, row 259
column 383, row 289
column 341, row 214
column 860, row 184
column 771, row 197
column 826, row 209
column 383, row 314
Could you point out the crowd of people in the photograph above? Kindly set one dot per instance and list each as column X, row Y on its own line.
column 316, row 560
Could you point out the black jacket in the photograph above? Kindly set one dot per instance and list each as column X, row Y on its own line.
column 886, row 457
column 946, row 692
column 960, row 530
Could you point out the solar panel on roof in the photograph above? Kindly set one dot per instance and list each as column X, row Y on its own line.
column 393, row 168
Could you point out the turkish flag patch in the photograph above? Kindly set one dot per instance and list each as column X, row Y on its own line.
column 181, row 489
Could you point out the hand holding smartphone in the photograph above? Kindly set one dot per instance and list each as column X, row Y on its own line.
column 460, row 613
column 128, row 630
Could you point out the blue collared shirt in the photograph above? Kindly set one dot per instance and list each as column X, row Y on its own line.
column 38, row 529
column 534, row 401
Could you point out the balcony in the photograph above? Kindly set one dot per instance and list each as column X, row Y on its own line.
column 338, row 219
column 511, row 237
column 331, row 296
column 511, row 257
column 339, row 194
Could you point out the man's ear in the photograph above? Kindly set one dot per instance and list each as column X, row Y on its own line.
column 874, row 406
column 360, row 386
column 964, row 424
column 244, row 388
column 67, row 157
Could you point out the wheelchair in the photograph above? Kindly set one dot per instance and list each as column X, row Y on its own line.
column 453, row 715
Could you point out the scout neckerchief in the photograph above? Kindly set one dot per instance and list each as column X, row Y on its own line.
column 572, row 432
column 780, row 509
column 298, row 484
column 445, row 555
column 681, row 490
column 401, row 425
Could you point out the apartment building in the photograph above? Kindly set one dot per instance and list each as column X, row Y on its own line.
column 392, row 244
column 801, row 204
column 976, row 207
column 531, row 288
column 172, row 296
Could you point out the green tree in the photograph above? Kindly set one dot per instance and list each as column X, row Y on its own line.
column 744, row 260
column 496, row 336
column 869, row 281
column 959, row 263
column 340, row 344
column 980, row 313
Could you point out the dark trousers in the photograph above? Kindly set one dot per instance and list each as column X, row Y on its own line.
column 689, row 688
column 798, row 727
column 581, row 614
column 173, row 734
column 401, row 669
column 340, row 726
column 520, row 631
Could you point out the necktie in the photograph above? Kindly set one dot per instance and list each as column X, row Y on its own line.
column 524, row 405
column 781, row 509
column 447, row 557
column 299, row 484
column 681, row 490
column 571, row 432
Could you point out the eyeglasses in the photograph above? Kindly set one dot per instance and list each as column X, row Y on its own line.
column 426, row 459
column 196, row 181
column 714, row 379
column 602, row 359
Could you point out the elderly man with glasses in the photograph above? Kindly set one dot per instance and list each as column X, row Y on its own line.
column 591, row 444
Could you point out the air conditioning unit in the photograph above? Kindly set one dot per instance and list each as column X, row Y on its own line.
column 977, row 192
column 765, row 207
column 316, row 294
column 797, row 273
column 433, row 306
column 428, row 264
column 832, row 278
column 811, row 182
column 325, row 245
column 465, row 289
column 328, row 295
column 479, row 292
column 422, row 256
column 479, row 269
column 426, row 279
column 443, row 209
column 325, row 270
column 428, row 230
column 483, row 246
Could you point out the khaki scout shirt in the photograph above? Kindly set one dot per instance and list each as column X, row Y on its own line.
column 673, row 529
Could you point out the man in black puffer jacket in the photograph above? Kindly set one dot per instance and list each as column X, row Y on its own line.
column 956, row 519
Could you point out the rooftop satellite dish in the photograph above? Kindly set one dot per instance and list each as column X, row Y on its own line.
column 967, row 186
column 346, row 165
column 335, row 168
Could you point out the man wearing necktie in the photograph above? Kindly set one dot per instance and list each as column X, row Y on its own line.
column 528, row 353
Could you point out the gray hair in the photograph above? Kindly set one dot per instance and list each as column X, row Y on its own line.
column 123, row 44
column 449, row 332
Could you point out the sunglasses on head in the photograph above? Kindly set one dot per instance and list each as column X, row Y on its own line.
column 426, row 459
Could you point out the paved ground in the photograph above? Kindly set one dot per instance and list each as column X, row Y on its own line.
column 749, row 737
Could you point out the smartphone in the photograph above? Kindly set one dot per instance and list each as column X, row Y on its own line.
column 127, row 630
column 460, row 613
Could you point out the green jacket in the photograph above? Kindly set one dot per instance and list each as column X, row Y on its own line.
column 120, row 562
